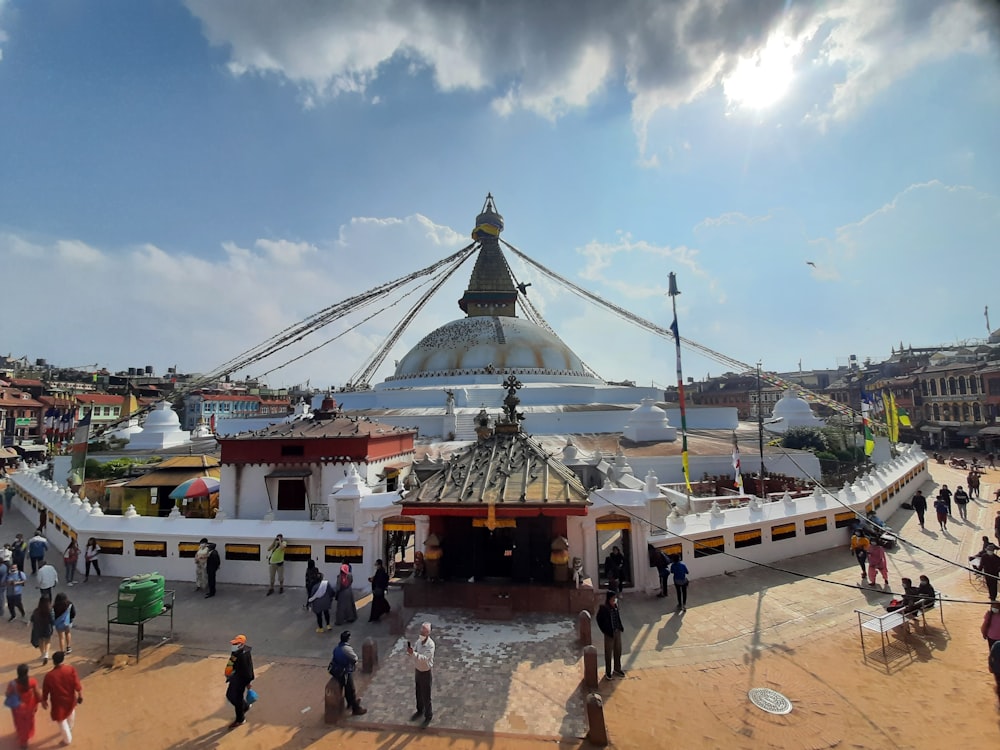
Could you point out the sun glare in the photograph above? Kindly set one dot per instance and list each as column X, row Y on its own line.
column 765, row 77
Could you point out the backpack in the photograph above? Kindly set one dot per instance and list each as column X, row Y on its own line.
column 339, row 668
column 62, row 621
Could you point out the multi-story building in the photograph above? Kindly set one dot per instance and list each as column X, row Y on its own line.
column 201, row 407
column 20, row 418
column 104, row 409
column 953, row 403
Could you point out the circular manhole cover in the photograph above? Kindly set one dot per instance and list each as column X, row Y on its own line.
column 770, row 700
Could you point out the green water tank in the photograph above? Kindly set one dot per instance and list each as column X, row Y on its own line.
column 140, row 597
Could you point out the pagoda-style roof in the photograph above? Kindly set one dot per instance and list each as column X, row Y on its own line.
column 508, row 470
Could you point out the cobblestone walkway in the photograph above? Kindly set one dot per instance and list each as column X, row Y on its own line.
column 494, row 678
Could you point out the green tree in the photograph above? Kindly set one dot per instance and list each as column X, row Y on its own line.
column 805, row 438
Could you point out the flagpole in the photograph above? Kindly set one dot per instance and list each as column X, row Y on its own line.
column 673, row 292
column 760, row 433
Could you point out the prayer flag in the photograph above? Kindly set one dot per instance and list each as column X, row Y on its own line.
column 736, row 465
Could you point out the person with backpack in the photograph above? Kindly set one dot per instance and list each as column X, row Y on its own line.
column 64, row 613
column 239, row 677
column 342, row 666
column 919, row 504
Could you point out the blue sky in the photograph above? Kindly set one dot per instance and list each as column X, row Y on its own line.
column 179, row 181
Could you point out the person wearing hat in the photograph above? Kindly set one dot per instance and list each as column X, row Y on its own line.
column 342, row 666
column 201, row 565
column 239, row 676
column 347, row 610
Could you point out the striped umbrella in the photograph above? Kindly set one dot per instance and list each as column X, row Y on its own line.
column 197, row 487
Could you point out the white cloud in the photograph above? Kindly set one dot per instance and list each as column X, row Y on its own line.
column 556, row 57
column 730, row 218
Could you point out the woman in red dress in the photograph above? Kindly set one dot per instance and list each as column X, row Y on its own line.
column 26, row 689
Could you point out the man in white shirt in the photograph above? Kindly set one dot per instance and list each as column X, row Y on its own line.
column 47, row 579
column 422, row 654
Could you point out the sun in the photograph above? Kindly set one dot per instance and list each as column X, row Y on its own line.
column 762, row 79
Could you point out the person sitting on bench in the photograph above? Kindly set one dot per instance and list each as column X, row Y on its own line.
column 926, row 593
column 910, row 600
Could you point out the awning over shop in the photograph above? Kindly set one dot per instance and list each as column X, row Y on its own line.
column 8, row 453
column 930, row 428
column 986, row 431
column 33, row 448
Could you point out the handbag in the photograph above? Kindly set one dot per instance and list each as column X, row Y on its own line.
column 13, row 700
column 251, row 696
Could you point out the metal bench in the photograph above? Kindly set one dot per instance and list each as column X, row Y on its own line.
column 883, row 623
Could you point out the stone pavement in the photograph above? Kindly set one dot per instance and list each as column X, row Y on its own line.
column 523, row 678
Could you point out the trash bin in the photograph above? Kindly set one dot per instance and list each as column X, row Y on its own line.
column 140, row 598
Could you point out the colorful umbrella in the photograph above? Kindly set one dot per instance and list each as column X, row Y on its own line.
column 197, row 487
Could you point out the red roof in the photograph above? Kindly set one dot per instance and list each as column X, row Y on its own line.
column 215, row 397
column 25, row 382
column 104, row 399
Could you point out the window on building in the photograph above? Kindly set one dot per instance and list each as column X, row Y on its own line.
column 977, row 413
column 937, row 413
column 933, row 387
column 965, row 412
column 923, row 387
column 944, row 386
column 291, row 494
column 951, row 387
column 974, row 384
column 961, row 386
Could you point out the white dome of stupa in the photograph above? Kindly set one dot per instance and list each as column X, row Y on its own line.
column 648, row 423
column 791, row 411
column 162, row 429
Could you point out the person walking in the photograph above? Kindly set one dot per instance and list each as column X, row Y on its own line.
column 342, row 666
column 201, row 565
column 380, row 587
column 991, row 624
column 996, row 526
column 421, row 654
column 945, row 494
column 347, row 610
column 973, row 483
column 859, row 548
column 62, row 686
column 989, row 564
column 64, row 613
column 680, row 573
column 47, row 578
column 276, row 564
column 90, row 555
column 321, row 601
column 19, row 551
column 42, row 625
column 4, row 572
column 877, row 563
column 919, row 503
column 962, row 501
column 313, row 577
column 16, row 579
column 23, row 697
column 609, row 620
column 239, row 678
column 659, row 560
column 38, row 545
column 70, row 556
column 941, row 509
column 212, row 566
